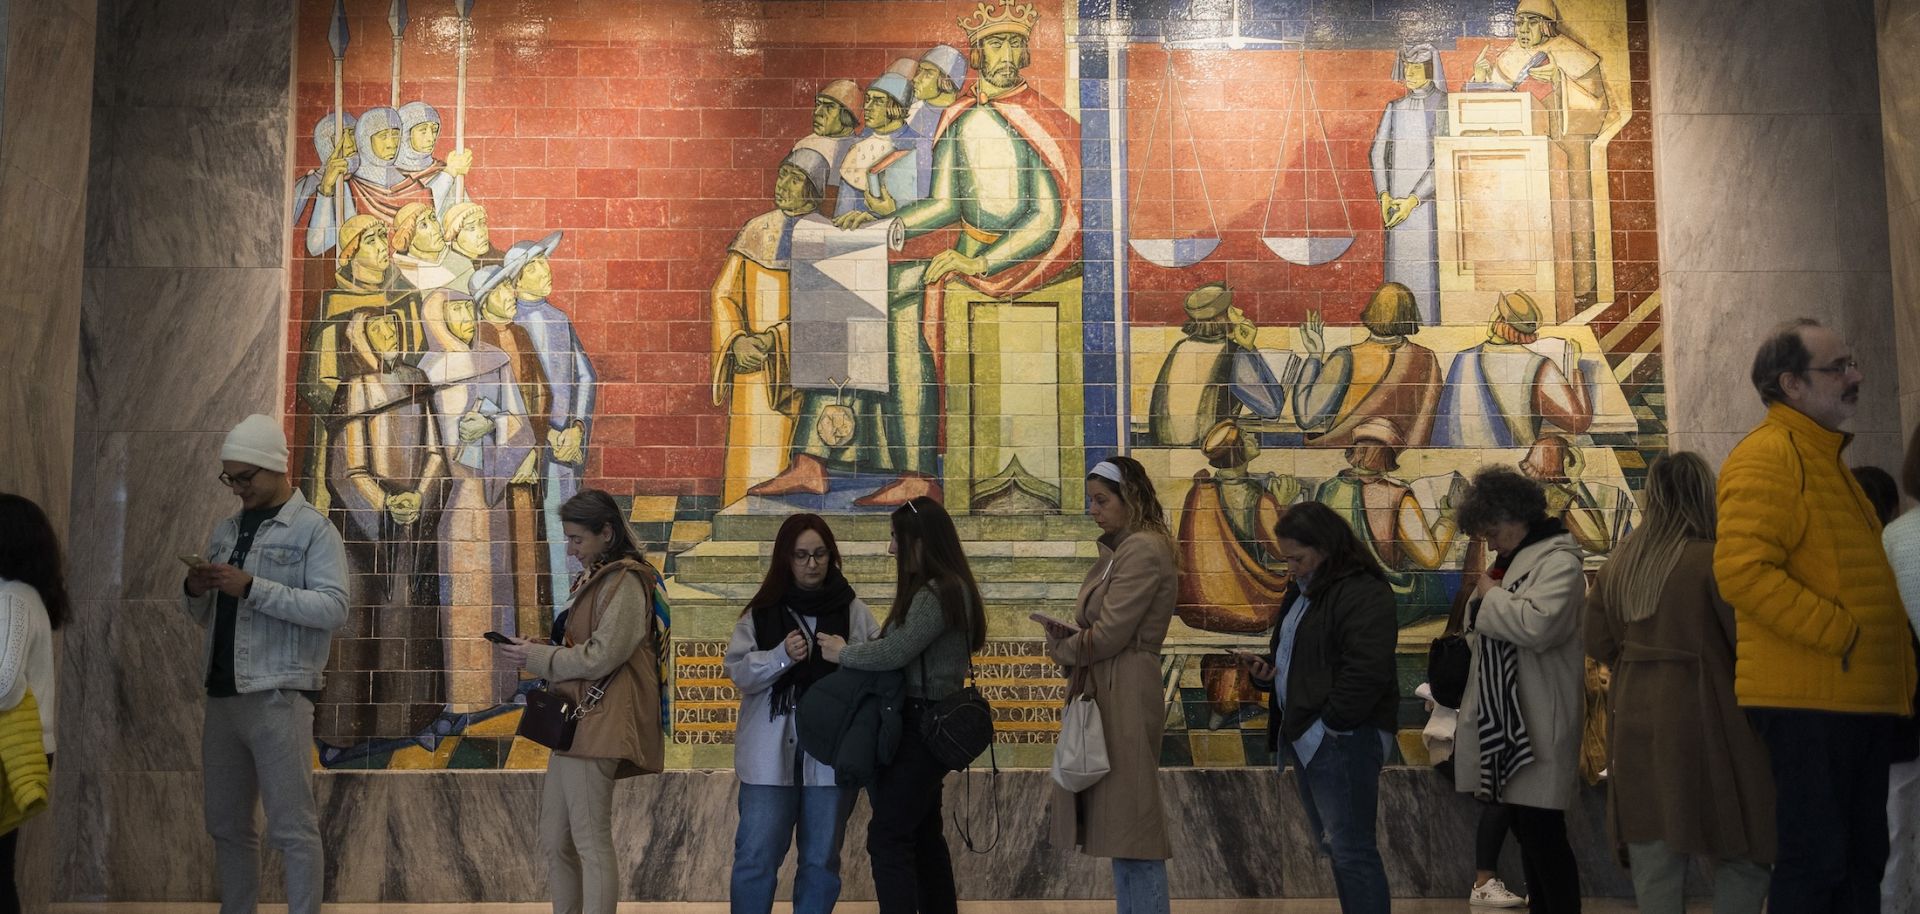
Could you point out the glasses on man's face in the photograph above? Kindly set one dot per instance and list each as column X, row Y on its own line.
column 1839, row 366
column 817, row 556
column 236, row 480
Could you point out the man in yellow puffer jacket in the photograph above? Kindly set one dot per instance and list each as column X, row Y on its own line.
column 1823, row 663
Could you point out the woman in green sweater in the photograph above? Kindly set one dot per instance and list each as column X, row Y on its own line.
column 934, row 626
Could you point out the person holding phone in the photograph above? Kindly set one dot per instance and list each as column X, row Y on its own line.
column 772, row 659
column 1125, row 606
column 33, row 603
column 936, row 622
column 611, row 645
column 270, row 600
column 1330, row 670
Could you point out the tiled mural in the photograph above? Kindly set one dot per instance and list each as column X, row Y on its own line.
column 735, row 260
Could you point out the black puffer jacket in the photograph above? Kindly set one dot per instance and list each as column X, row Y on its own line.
column 1343, row 670
column 851, row 720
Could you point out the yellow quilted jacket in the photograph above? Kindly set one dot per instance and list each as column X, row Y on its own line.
column 23, row 759
column 1819, row 625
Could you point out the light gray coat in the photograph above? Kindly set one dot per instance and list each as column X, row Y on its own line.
column 1537, row 607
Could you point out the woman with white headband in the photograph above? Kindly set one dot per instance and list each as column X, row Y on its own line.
column 1111, row 652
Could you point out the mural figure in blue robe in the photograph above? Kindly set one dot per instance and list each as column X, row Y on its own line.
column 1402, row 159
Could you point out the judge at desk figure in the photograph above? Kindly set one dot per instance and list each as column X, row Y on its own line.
column 1566, row 82
column 1006, row 176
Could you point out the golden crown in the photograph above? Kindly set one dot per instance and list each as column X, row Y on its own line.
column 1013, row 17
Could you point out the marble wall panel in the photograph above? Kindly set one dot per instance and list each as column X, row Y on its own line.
column 1746, row 192
column 51, row 69
column 221, row 332
column 161, row 167
column 1780, row 57
column 241, row 54
column 148, row 498
column 40, row 238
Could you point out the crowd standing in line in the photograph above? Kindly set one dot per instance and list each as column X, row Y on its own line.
column 1760, row 631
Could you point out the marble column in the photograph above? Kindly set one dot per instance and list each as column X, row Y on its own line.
column 183, row 317
column 46, row 72
column 1768, row 171
column 1899, row 27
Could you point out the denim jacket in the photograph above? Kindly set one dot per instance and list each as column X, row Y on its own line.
column 284, row 625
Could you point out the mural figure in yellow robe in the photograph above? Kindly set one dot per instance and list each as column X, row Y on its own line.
column 1409, row 542
column 750, row 331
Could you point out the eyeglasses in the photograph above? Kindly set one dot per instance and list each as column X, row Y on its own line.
column 234, row 481
column 818, row 556
column 1838, row 367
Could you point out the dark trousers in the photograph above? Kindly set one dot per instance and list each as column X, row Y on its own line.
column 1553, row 875
column 1830, row 807
column 9, row 892
column 1340, row 790
column 1495, row 821
column 911, row 869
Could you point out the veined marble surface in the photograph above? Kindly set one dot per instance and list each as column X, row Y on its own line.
column 470, row 837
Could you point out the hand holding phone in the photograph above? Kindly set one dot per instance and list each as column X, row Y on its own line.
column 496, row 637
column 192, row 559
column 1057, row 628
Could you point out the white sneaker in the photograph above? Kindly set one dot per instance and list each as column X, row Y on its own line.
column 1494, row 894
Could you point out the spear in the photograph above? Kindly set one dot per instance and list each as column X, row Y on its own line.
column 397, row 21
column 337, row 39
column 465, row 9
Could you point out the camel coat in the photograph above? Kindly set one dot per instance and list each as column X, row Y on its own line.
column 1686, row 767
column 1125, row 606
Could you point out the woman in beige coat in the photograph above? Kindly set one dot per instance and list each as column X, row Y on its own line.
column 610, row 634
column 1113, row 655
column 1687, row 776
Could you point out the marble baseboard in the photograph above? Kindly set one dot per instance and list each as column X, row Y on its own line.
column 472, row 837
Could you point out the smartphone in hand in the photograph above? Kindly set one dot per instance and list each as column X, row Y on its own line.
column 1047, row 620
column 192, row 559
column 496, row 637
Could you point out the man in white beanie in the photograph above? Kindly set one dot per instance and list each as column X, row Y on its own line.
column 270, row 589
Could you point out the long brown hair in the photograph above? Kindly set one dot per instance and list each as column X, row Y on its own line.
column 779, row 579
column 1316, row 526
column 1680, row 507
column 927, row 553
column 1136, row 492
column 596, row 510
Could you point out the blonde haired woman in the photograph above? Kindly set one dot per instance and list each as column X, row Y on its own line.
column 1125, row 605
column 1687, row 775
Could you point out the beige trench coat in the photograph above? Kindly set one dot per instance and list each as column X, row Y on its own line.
column 1125, row 606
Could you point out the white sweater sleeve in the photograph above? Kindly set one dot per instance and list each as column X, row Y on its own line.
column 1902, row 539
column 13, row 650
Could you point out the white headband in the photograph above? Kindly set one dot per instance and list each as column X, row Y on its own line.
column 1107, row 469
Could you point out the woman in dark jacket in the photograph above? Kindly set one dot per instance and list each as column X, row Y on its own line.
column 1331, row 671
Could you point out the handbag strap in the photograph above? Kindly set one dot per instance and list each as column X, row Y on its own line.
column 590, row 698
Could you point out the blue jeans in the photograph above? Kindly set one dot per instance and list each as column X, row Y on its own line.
column 768, row 820
column 1140, row 886
column 1341, row 792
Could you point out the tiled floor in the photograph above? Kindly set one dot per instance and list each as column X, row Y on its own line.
column 1209, row 906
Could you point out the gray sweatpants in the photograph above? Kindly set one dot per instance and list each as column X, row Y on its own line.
column 257, row 751
column 576, row 825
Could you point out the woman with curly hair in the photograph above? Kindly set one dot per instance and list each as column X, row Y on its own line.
column 1521, row 718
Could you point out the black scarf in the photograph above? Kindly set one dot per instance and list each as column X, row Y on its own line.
column 827, row 610
column 1540, row 530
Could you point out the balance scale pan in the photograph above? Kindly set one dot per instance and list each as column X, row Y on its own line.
column 1175, row 253
column 1308, row 252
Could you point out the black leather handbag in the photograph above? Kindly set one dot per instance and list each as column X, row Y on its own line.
column 959, row 727
column 551, row 718
column 1448, row 664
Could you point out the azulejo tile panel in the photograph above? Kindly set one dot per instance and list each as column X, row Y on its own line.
column 731, row 263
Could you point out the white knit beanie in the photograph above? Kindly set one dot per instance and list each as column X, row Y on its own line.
column 257, row 440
